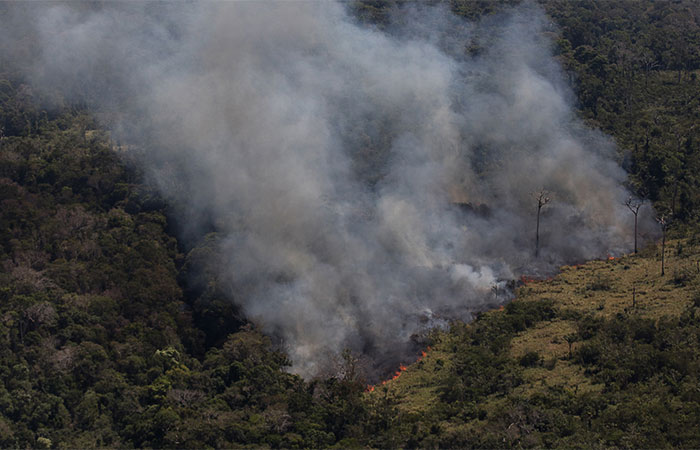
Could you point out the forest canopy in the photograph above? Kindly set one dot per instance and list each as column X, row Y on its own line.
column 116, row 328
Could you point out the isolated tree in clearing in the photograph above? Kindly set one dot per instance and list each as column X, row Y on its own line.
column 634, row 206
column 663, row 221
column 542, row 199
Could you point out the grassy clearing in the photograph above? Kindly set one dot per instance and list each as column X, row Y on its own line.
column 630, row 285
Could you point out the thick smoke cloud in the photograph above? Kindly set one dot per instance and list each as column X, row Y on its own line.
column 331, row 156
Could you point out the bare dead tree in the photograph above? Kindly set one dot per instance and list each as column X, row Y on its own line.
column 663, row 221
column 542, row 198
column 634, row 206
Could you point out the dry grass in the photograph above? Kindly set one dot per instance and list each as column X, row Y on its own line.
column 600, row 288
column 546, row 338
column 605, row 288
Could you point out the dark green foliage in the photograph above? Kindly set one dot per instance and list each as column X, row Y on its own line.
column 97, row 342
column 113, row 336
column 530, row 359
column 649, row 372
column 213, row 310
column 480, row 367
column 635, row 66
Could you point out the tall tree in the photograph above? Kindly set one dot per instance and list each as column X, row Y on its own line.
column 634, row 206
column 543, row 198
column 663, row 221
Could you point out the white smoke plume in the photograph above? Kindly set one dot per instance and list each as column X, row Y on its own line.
column 331, row 155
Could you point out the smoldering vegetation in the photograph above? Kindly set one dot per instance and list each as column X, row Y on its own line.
column 365, row 184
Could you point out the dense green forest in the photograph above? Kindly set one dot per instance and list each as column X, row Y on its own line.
column 635, row 67
column 114, row 334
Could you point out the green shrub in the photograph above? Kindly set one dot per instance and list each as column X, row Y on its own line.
column 529, row 359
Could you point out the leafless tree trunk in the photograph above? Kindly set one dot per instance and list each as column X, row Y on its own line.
column 542, row 199
column 634, row 206
column 663, row 221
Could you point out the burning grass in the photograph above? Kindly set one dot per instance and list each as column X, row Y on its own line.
column 414, row 387
column 402, row 368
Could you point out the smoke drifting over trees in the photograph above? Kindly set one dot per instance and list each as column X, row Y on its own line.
column 329, row 155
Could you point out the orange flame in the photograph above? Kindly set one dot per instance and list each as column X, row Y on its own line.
column 611, row 258
column 398, row 373
column 402, row 369
column 525, row 279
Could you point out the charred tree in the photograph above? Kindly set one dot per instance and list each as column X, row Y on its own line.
column 542, row 199
column 634, row 206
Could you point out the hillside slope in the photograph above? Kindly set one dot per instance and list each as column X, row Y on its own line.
column 111, row 336
column 604, row 354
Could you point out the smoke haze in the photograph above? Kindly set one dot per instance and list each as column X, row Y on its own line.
column 331, row 155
